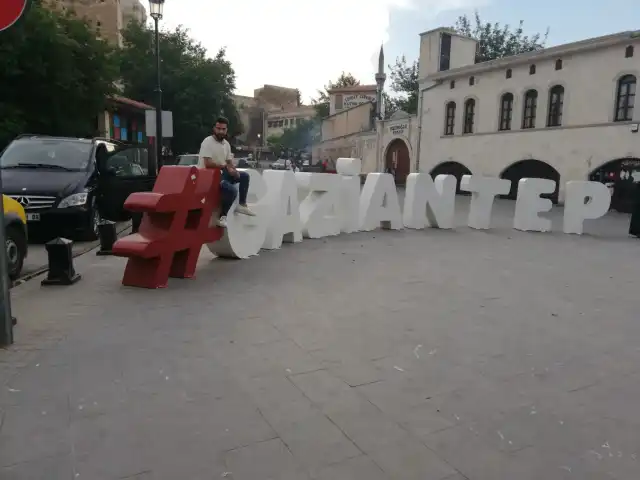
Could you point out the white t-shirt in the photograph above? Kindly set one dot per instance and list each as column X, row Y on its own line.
column 217, row 151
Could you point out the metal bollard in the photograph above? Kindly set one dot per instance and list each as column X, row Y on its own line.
column 108, row 236
column 136, row 220
column 61, row 271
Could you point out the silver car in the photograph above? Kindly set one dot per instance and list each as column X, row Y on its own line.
column 187, row 160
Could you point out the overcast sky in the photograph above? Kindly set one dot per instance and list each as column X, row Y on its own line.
column 305, row 43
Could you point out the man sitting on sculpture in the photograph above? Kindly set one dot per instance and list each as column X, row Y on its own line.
column 215, row 152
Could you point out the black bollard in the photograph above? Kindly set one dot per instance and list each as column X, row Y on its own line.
column 136, row 220
column 634, row 225
column 108, row 236
column 61, row 271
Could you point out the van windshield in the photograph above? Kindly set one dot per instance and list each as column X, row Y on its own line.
column 49, row 153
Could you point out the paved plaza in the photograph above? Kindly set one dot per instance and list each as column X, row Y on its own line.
column 411, row 355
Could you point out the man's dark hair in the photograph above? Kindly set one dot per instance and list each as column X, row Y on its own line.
column 223, row 120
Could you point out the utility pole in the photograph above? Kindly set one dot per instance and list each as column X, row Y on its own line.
column 10, row 13
column 156, row 8
column 6, row 319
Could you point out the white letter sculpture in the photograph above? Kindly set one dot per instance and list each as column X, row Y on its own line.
column 483, row 191
column 429, row 204
column 349, row 173
column 379, row 206
column 529, row 205
column 284, row 219
column 584, row 201
column 244, row 235
column 319, row 210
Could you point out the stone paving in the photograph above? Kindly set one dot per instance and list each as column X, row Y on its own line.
column 426, row 355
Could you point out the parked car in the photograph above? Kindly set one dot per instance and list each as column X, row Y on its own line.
column 280, row 164
column 58, row 183
column 246, row 162
column 15, row 234
column 187, row 160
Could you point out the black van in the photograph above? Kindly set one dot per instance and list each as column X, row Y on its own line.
column 67, row 185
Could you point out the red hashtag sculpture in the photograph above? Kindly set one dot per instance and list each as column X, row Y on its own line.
column 177, row 214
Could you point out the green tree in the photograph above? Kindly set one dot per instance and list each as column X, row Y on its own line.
column 197, row 89
column 300, row 137
column 404, row 83
column 321, row 102
column 55, row 76
column 496, row 41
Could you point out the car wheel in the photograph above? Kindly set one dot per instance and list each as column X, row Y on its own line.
column 91, row 229
column 16, row 245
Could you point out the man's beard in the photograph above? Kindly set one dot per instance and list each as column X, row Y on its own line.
column 220, row 136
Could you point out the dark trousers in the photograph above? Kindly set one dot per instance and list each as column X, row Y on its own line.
column 228, row 190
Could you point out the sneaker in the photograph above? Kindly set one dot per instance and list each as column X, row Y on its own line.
column 222, row 222
column 244, row 210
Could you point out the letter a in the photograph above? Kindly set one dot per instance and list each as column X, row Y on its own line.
column 379, row 206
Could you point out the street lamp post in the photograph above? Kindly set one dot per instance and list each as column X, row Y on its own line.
column 155, row 8
column 259, row 149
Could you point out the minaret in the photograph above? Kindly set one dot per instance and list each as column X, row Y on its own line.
column 380, row 79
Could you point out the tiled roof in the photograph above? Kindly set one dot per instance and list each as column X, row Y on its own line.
column 354, row 88
column 131, row 103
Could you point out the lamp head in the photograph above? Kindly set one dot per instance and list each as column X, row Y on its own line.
column 155, row 9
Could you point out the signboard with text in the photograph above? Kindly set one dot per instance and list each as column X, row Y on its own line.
column 399, row 129
column 11, row 11
column 357, row 99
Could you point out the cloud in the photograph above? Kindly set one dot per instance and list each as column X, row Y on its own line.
column 295, row 43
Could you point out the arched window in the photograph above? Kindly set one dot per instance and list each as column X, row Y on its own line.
column 625, row 98
column 532, row 70
column 556, row 102
column 509, row 73
column 530, row 107
column 469, row 114
column 506, row 111
column 559, row 64
column 628, row 52
column 450, row 118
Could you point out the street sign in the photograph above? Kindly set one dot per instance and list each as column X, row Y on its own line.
column 11, row 11
column 167, row 124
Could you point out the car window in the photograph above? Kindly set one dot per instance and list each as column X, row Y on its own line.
column 188, row 160
column 130, row 162
column 69, row 154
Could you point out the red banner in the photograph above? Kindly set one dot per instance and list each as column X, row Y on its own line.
column 11, row 11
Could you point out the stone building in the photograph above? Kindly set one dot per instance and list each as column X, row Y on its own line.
column 563, row 113
column 279, row 120
column 353, row 127
column 271, row 109
column 133, row 10
column 108, row 17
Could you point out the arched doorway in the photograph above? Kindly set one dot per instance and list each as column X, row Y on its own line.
column 531, row 169
column 622, row 176
column 452, row 168
column 397, row 160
